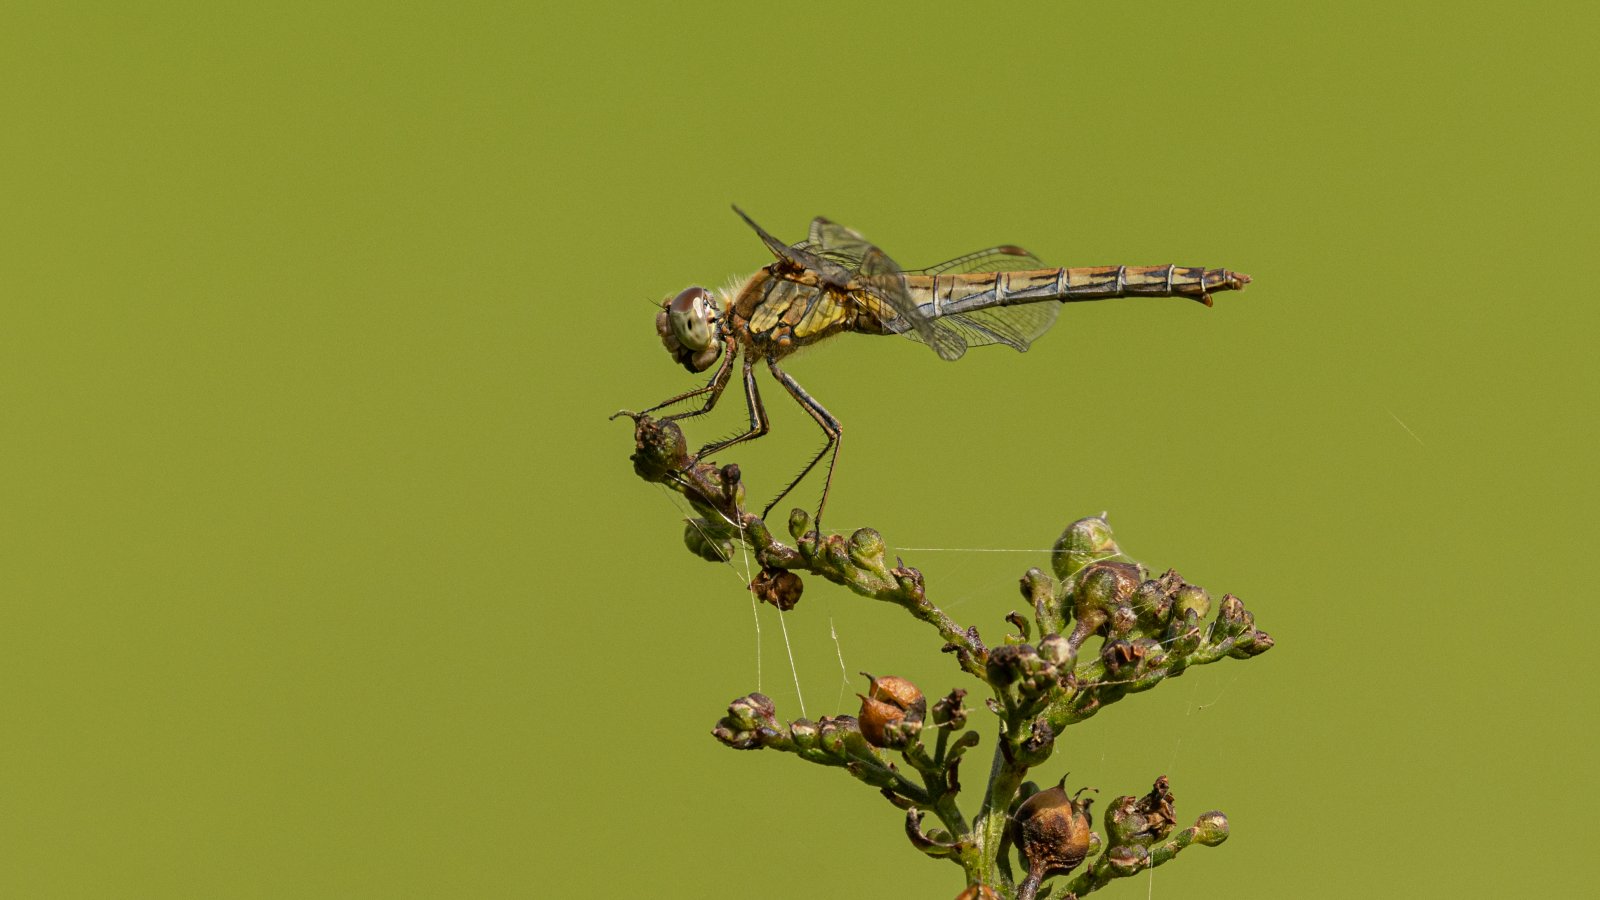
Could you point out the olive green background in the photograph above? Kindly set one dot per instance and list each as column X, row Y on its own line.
column 324, row 575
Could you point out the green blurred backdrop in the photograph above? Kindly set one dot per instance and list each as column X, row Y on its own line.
column 324, row 574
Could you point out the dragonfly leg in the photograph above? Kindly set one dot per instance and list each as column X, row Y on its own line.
column 714, row 387
column 758, row 416
column 830, row 426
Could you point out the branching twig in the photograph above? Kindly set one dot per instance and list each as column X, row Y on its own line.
column 1150, row 629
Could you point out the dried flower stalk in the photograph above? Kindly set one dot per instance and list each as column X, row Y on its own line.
column 1151, row 628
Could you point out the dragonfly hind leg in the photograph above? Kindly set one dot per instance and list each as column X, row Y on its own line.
column 830, row 427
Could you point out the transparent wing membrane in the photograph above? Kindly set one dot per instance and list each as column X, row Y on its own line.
column 1005, row 258
column 835, row 242
column 1016, row 327
column 880, row 276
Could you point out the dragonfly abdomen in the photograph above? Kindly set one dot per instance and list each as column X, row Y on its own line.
column 959, row 293
column 1097, row 282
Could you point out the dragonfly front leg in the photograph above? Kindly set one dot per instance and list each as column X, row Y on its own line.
column 830, row 426
column 758, row 415
column 714, row 387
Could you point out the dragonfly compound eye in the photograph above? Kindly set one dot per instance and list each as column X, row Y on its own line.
column 690, row 314
column 687, row 325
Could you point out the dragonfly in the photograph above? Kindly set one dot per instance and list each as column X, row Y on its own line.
column 836, row 281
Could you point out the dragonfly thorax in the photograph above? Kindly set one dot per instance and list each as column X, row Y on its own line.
column 690, row 326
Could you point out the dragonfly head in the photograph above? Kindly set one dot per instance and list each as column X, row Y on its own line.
column 691, row 328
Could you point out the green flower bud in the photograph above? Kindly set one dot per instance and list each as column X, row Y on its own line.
column 1152, row 603
column 1192, row 596
column 1141, row 820
column 1123, row 821
column 804, row 732
column 1102, row 600
column 1039, row 675
column 1107, row 585
column 1211, row 829
column 752, row 711
column 1262, row 643
column 1123, row 621
column 856, row 744
column 832, row 732
column 1038, row 745
column 1055, row 649
column 1252, row 643
column 1127, row 859
column 703, row 541
column 1034, row 580
column 1184, row 635
column 1084, row 542
column 659, row 449
column 866, row 547
column 1150, row 652
column 749, row 721
column 1232, row 612
column 799, row 523
column 1010, row 662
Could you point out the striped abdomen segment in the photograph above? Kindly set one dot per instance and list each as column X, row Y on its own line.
column 950, row 294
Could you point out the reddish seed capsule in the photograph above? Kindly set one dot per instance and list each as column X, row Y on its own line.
column 894, row 689
column 885, row 705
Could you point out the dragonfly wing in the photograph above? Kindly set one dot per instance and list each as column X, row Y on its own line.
column 879, row 276
column 798, row 259
column 1016, row 327
column 1005, row 258
column 778, row 248
column 950, row 335
column 835, row 242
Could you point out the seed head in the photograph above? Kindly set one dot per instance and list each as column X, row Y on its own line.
column 780, row 587
column 891, row 711
column 1053, row 831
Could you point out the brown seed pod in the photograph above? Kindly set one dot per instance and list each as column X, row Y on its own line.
column 780, row 587
column 889, row 701
column 894, row 689
column 1053, row 831
column 876, row 717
